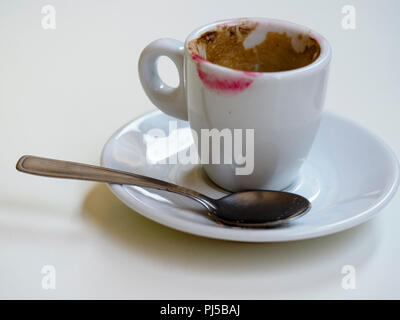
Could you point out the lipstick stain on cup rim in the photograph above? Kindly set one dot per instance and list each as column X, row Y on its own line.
column 223, row 84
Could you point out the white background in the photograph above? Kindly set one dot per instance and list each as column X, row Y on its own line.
column 63, row 92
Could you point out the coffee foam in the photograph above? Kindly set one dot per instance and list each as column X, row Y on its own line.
column 255, row 47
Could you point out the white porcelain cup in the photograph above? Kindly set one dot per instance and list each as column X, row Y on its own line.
column 282, row 108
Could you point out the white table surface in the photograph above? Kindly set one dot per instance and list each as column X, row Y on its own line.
column 63, row 92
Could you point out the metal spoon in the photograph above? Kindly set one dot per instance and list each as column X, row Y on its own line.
column 242, row 209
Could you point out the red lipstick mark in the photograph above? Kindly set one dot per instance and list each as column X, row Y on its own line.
column 225, row 84
column 250, row 73
column 198, row 58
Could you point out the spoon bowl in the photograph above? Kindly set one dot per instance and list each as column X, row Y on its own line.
column 260, row 208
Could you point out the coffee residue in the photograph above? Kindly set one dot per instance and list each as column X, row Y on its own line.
column 225, row 46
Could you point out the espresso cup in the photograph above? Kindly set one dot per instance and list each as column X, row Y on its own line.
column 276, row 101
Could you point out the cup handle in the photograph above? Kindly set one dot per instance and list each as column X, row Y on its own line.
column 169, row 100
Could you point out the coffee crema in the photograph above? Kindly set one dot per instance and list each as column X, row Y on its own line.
column 251, row 47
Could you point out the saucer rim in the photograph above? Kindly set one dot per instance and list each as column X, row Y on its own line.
column 257, row 235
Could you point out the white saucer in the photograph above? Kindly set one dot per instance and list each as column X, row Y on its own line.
column 349, row 176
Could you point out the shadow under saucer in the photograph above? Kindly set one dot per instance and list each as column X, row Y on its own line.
column 164, row 245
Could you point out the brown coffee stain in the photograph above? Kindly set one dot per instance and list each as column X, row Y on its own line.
column 224, row 46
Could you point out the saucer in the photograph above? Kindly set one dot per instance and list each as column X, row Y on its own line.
column 350, row 174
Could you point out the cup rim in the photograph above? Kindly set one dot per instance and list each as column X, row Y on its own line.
column 322, row 60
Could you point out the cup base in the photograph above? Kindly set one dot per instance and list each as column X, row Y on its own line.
column 291, row 187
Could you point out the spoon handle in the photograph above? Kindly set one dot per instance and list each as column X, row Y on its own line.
column 73, row 170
